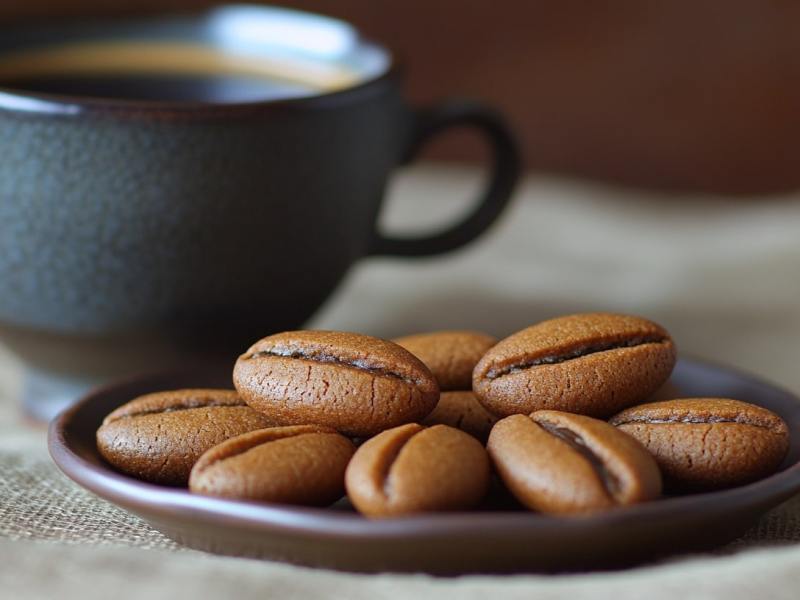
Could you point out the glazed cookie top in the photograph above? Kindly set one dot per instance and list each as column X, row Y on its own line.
column 450, row 355
column 567, row 338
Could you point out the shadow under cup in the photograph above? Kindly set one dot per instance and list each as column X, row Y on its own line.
column 208, row 177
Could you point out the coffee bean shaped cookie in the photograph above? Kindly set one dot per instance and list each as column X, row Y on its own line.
column 357, row 384
column 412, row 469
column 158, row 437
column 563, row 463
column 450, row 355
column 300, row 464
column 593, row 364
column 707, row 443
column 462, row 411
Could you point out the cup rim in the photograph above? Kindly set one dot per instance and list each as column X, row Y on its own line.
column 17, row 100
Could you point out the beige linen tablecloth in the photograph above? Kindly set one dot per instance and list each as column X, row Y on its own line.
column 721, row 275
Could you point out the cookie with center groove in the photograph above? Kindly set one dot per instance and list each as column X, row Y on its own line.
column 708, row 443
column 462, row 411
column 594, row 364
column 563, row 463
column 357, row 384
column 158, row 437
column 301, row 464
column 412, row 469
column 451, row 355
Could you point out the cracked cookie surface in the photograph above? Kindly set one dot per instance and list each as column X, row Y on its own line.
column 708, row 443
column 357, row 384
column 158, row 437
column 593, row 364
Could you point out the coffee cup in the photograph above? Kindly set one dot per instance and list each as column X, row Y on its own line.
column 175, row 187
column 216, row 173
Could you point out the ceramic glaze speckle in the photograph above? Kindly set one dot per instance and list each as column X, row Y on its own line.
column 116, row 221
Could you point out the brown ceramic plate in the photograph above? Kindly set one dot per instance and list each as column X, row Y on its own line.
column 491, row 540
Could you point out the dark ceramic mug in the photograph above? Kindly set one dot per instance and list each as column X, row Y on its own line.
column 236, row 214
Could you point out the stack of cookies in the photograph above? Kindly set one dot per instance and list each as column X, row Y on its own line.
column 558, row 412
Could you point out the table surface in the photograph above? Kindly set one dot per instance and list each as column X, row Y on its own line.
column 720, row 275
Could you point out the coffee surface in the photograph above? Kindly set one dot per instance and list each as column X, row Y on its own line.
column 160, row 87
column 168, row 71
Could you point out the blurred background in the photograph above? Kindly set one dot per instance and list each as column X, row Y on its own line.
column 671, row 95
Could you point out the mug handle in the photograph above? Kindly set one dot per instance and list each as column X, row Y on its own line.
column 496, row 194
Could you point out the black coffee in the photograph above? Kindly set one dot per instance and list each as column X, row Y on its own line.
column 211, row 88
column 167, row 71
